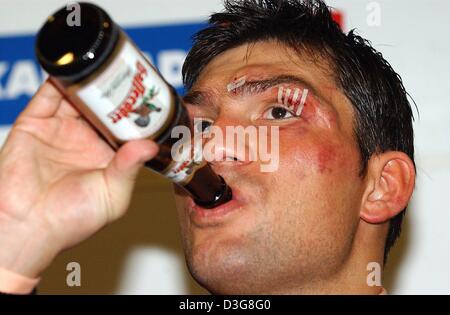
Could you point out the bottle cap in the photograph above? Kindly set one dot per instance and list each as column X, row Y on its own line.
column 71, row 50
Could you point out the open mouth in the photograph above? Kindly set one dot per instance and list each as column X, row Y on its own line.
column 202, row 217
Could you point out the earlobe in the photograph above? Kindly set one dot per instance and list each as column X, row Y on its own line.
column 390, row 178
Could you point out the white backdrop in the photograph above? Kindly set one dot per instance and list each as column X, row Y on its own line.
column 413, row 36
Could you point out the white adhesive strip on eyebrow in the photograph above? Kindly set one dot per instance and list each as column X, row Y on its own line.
column 286, row 97
column 295, row 97
column 302, row 102
column 280, row 95
column 236, row 84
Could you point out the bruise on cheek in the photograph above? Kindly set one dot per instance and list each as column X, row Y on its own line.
column 336, row 156
column 314, row 158
column 311, row 154
column 325, row 159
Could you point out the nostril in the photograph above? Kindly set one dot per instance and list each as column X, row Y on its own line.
column 226, row 155
column 231, row 159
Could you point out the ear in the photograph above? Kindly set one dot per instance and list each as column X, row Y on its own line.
column 390, row 181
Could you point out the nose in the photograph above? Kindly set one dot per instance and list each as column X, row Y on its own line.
column 228, row 145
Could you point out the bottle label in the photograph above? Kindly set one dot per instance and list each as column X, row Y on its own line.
column 129, row 97
column 188, row 160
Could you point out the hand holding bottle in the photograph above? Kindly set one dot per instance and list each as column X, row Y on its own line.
column 59, row 182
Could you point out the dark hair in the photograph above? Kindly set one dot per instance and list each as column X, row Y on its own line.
column 383, row 115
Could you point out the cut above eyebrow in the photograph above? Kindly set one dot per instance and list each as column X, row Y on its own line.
column 197, row 97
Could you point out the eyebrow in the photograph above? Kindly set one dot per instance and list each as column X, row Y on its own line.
column 197, row 97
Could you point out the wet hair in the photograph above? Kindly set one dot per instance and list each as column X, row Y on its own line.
column 383, row 115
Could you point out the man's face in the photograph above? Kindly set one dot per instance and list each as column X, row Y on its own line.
column 289, row 227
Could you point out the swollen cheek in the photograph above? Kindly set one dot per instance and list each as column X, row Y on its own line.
column 337, row 161
column 306, row 151
column 306, row 157
column 325, row 159
column 295, row 159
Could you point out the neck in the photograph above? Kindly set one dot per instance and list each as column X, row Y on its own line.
column 361, row 272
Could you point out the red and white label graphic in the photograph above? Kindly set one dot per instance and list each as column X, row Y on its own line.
column 129, row 98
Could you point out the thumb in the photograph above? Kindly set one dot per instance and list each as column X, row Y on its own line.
column 121, row 173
